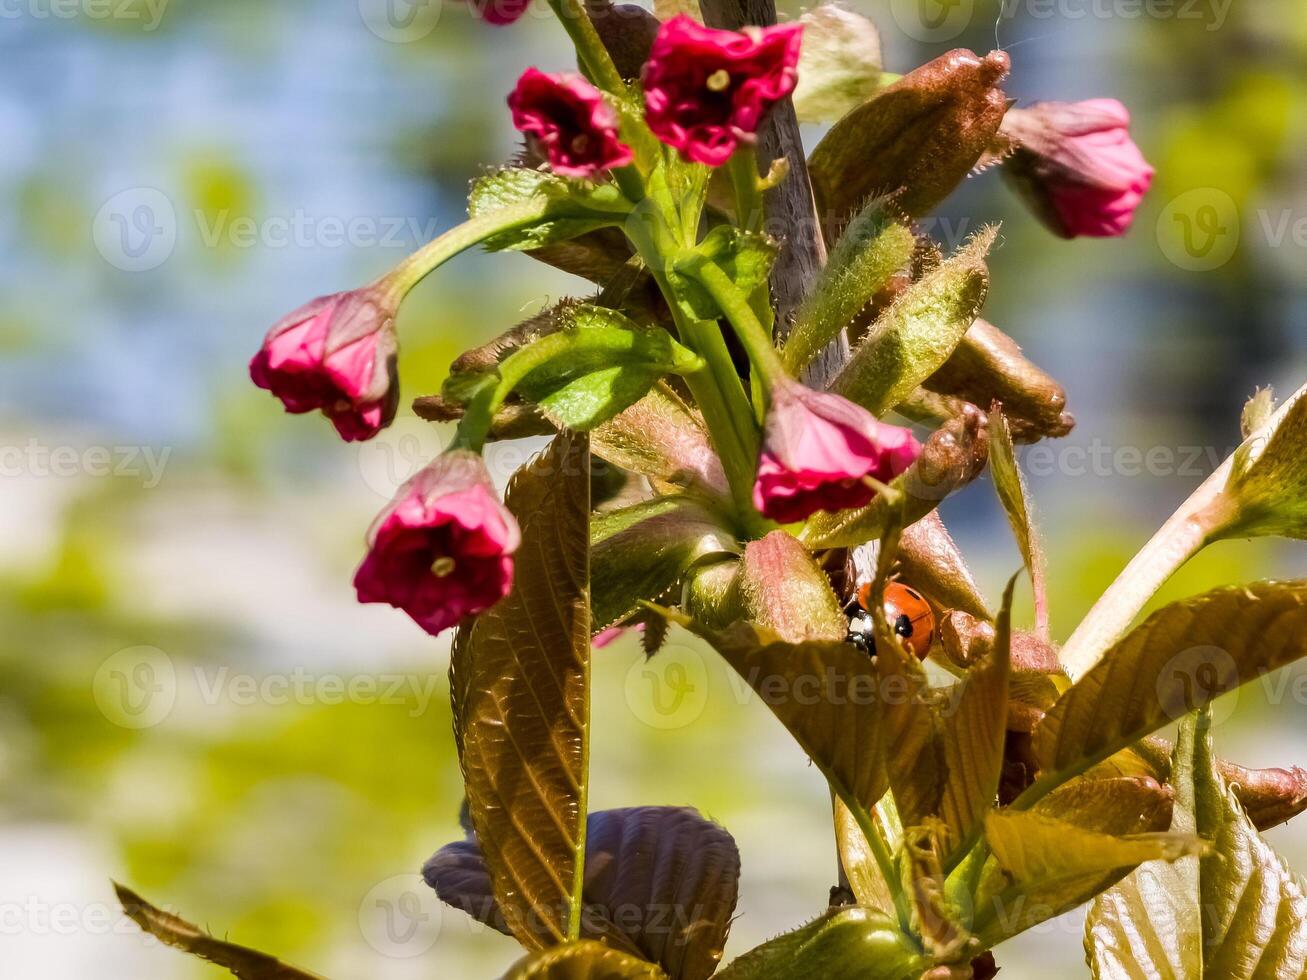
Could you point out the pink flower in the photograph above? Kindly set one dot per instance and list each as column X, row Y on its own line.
column 335, row 353
column 443, row 549
column 706, row 91
column 567, row 121
column 818, row 448
column 1077, row 166
column 500, row 12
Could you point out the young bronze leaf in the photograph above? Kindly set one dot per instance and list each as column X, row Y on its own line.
column 825, row 693
column 919, row 331
column 781, row 588
column 1046, row 867
column 987, row 367
column 1118, row 807
column 585, row 960
column 917, row 138
column 520, row 686
column 1015, row 498
column 843, row 944
column 660, row 883
column 929, row 558
column 1269, row 796
column 641, row 551
column 1238, row 913
column 1181, row 658
column 661, row 438
column 242, row 962
column 866, row 880
column 974, row 733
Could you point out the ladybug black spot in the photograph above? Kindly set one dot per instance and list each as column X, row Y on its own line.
column 903, row 626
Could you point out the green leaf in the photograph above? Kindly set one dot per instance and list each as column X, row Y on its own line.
column 569, row 209
column 844, row 944
column 839, row 66
column 600, row 364
column 642, row 551
column 1236, row 912
column 585, row 960
column 662, row 438
column 1269, row 477
column 877, row 245
column 1014, row 495
column 919, row 331
column 240, row 961
column 519, row 682
column 746, row 258
column 661, row 883
column 1181, row 658
column 866, row 879
column 1045, row 867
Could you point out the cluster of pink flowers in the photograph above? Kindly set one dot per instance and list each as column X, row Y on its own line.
column 443, row 550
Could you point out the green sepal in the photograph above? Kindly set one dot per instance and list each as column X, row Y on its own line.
column 569, row 208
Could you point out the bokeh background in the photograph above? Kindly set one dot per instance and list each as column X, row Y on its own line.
column 190, row 700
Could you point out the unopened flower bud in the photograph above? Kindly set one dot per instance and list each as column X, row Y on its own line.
column 1076, row 166
column 337, row 354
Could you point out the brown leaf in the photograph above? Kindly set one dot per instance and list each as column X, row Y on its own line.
column 988, row 366
column 520, row 688
column 929, row 559
column 1183, row 657
column 917, row 138
column 241, row 961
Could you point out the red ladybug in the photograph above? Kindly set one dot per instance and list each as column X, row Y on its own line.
column 908, row 614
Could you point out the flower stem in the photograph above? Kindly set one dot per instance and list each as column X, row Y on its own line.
column 1198, row 522
column 590, row 50
column 459, row 239
column 739, row 311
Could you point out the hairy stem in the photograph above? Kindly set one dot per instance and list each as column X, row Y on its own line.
column 590, row 50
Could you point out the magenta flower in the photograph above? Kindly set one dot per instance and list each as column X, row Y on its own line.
column 335, row 353
column 706, row 91
column 1077, row 166
column 818, row 448
column 443, row 549
column 567, row 121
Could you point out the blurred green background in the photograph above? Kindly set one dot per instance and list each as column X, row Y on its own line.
column 190, row 700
